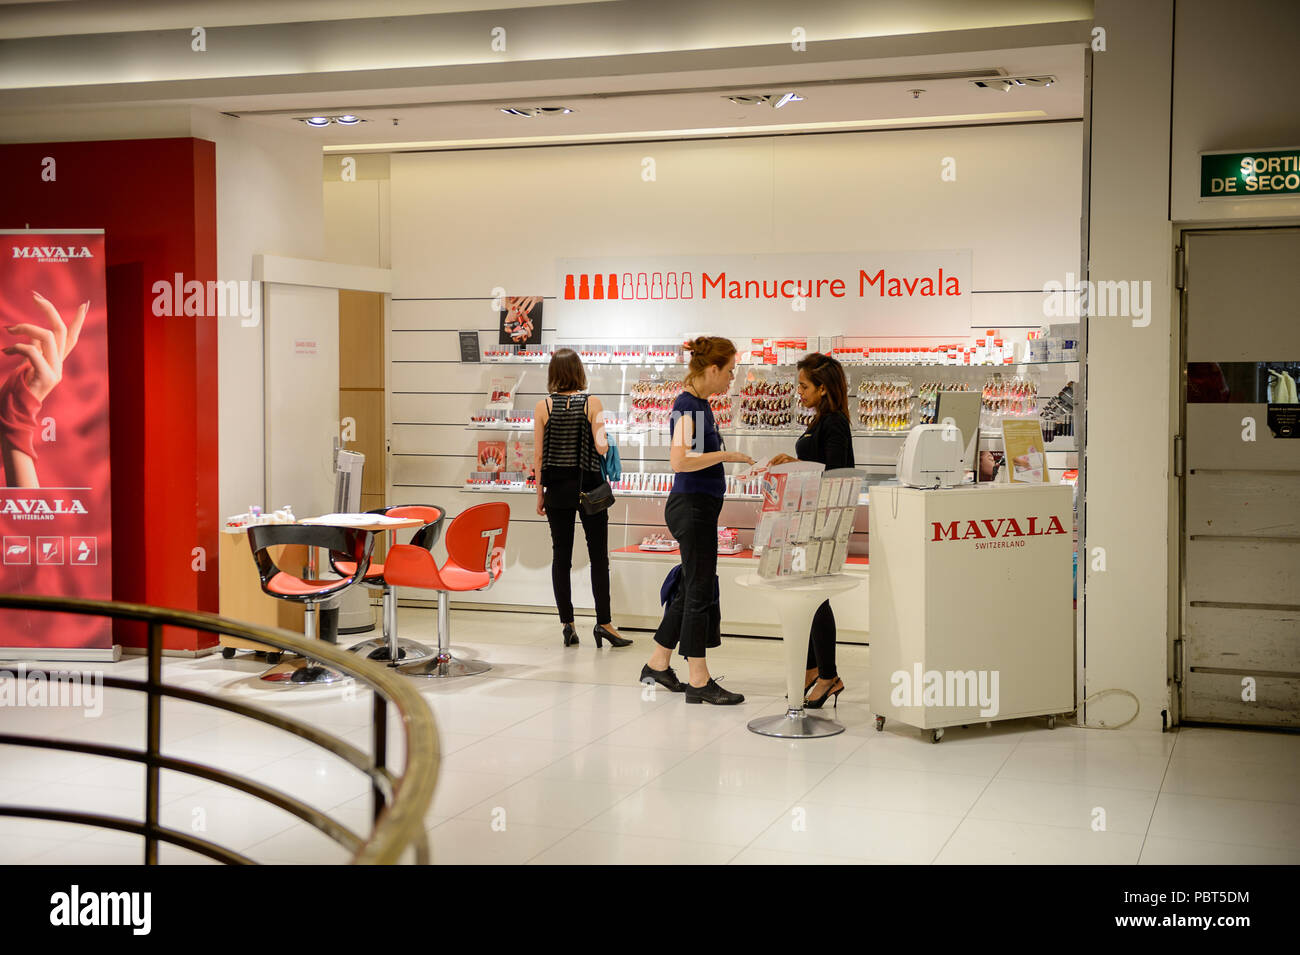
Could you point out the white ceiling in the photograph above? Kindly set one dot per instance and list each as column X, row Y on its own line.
column 629, row 69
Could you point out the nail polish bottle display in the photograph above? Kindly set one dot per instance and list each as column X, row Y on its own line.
column 613, row 285
column 670, row 285
column 583, row 291
column 657, row 285
column 627, row 286
column 568, row 287
column 687, row 290
column 599, row 290
column 642, row 290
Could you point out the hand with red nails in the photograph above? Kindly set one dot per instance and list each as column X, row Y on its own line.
column 44, row 346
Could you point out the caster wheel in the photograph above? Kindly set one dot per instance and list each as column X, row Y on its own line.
column 1051, row 722
column 880, row 724
column 273, row 658
column 227, row 653
column 936, row 735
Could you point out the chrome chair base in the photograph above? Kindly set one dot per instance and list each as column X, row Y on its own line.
column 308, row 673
column 795, row 724
column 408, row 651
column 444, row 666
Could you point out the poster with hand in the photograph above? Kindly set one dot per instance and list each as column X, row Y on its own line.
column 55, row 518
column 521, row 320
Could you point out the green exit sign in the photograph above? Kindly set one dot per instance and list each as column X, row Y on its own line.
column 1250, row 175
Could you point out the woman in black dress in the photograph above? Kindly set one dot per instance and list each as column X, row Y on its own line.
column 828, row 441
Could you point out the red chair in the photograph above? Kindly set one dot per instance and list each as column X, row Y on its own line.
column 356, row 544
column 390, row 648
column 476, row 547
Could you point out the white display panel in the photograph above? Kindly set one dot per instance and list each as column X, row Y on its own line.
column 302, row 401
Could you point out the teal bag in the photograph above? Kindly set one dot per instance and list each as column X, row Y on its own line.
column 611, row 465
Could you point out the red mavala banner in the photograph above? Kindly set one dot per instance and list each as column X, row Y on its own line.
column 55, row 517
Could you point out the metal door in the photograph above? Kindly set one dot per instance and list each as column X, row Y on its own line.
column 1238, row 656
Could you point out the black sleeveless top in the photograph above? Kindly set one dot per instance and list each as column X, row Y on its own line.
column 570, row 462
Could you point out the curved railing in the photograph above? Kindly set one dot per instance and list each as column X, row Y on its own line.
column 400, row 802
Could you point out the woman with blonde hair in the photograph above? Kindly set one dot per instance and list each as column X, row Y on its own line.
column 693, row 617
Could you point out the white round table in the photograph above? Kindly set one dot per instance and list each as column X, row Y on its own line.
column 797, row 600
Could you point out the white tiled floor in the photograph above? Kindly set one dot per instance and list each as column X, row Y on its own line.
column 559, row 756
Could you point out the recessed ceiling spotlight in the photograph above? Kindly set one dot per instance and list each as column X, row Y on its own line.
column 530, row 112
column 787, row 98
column 320, row 121
column 1006, row 85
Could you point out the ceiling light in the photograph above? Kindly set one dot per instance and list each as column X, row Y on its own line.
column 748, row 99
column 530, row 112
column 1004, row 85
column 787, row 98
column 347, row 119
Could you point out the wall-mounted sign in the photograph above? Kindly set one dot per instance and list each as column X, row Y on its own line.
column 1257, row 174
column 469, row 351
column 913, row 295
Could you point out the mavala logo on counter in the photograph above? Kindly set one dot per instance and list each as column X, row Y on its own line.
column 52, row 253
column 990, row 529
column 39, row 509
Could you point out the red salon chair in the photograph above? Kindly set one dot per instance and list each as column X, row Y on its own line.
column 476, row 547
column 390, row 648
column 356, row 544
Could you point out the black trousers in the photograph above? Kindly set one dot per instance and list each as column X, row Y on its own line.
column 596, row 529
column 693, row 618
column 821, row 643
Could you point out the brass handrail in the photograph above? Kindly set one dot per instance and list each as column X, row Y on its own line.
column 399, row 802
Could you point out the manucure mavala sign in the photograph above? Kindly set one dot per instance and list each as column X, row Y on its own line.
column 916, row 295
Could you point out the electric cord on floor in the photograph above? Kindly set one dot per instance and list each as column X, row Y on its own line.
column 1137, row 708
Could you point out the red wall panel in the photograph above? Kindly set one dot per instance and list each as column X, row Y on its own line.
column 155, row 199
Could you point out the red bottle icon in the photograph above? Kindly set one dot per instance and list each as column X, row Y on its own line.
column 670, row 285
column 657, row 285
column 598, row 291
column 641, row 289
column 687, row 290
column 568, row 287
column 613, row 285
column 583, row 291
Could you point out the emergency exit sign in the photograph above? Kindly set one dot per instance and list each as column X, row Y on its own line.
column 1250, row 175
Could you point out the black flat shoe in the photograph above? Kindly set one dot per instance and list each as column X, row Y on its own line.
column 834, row 692
column 712, row 693
column 665, row 678
column 600, row 633
column 571, row 636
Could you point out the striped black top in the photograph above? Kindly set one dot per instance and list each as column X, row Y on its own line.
column 567, row 440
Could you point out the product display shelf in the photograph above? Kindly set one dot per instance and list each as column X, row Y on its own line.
column 863, row 499
column 593, row 364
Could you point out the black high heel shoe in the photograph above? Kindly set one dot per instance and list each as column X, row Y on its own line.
column 818, row 703
column 571, row 637
column 600, row 633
